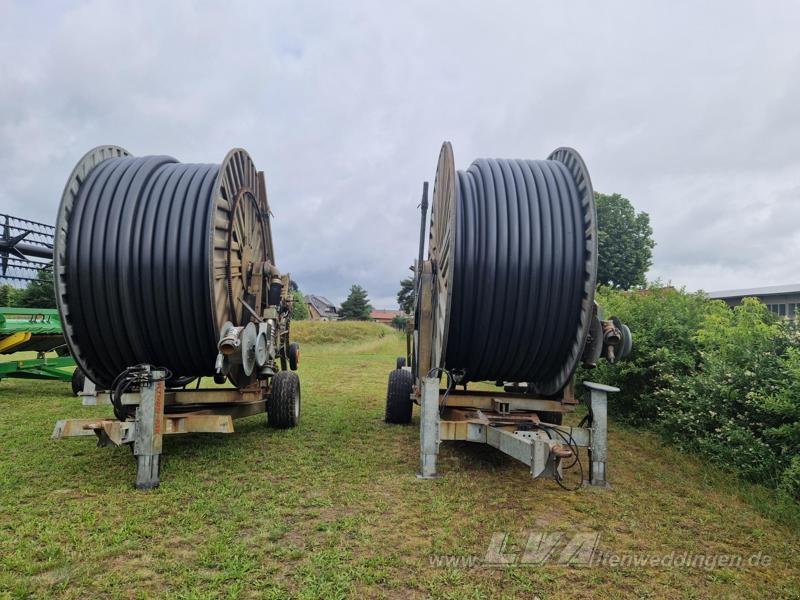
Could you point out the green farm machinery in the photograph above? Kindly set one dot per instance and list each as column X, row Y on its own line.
column 32, row 336
column 36, row 331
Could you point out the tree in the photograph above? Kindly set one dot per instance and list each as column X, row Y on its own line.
column 39, row 293
column 299, row 306
column 9, row 295
column 399, row 322
column 407, row 295
column 356, row 306
column 625, row 241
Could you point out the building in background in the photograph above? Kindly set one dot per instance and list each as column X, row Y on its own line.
column 783, row 300
column 321, row 309
column 386, row 316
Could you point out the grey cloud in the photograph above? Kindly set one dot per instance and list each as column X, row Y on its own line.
column 689, row 110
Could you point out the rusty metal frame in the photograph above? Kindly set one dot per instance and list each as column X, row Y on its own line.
column 517, row 430
column 489, row 401
column 222, row 396
column 160, row 412
column 121, row 432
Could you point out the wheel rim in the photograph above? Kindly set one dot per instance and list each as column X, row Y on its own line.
column 79, row 174
column 439, row 249
column 240, row 239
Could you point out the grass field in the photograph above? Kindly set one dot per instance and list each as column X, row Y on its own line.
column 332, row 509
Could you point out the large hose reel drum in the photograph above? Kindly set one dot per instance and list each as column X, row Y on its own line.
column 514, row 249
column 153, row 257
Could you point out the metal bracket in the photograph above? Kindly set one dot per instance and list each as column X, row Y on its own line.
column 598, row 451
column 532, row 448
column 149, row 431
column 501, row 407
column 429, row 428
column 89, row 392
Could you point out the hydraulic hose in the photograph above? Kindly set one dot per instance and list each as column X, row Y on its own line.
column 137, row 268
column 523, row 270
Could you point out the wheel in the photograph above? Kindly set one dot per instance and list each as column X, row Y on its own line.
column 554, row 418
column 294, row 355
column 78, row 380
column 398, row 397
column 401, row 362
column 283, row 406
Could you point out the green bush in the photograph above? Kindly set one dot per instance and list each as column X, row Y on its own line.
column 399, row 322
column 718, row 382
column 790, row 481
column 9, row 295
column 38, row 293
column 740, row 407
column 299, row 306
column 663, row 322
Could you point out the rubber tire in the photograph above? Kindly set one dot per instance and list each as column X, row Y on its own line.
column 283, row 406
column 401, row 362
column 398, row 397
column 554, row 418
column 294, row 355
column 78, row 380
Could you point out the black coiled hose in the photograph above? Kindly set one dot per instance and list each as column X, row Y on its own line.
column 524, row 268
column 137, row 266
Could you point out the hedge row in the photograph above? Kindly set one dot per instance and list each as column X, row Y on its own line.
column 719, row 382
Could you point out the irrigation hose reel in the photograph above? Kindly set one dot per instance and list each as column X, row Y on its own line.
column 506, row 295
column 155, row 261
column 165, row 273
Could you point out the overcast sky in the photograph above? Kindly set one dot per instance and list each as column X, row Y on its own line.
column 691, row 110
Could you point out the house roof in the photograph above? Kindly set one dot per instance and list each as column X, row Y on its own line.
column 321, row 304
column 385, row 314
column 770, row 290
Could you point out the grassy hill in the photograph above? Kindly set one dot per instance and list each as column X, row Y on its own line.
column 333, row 509
column 338, row 332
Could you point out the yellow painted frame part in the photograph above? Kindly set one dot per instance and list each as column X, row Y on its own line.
column 15, row 339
